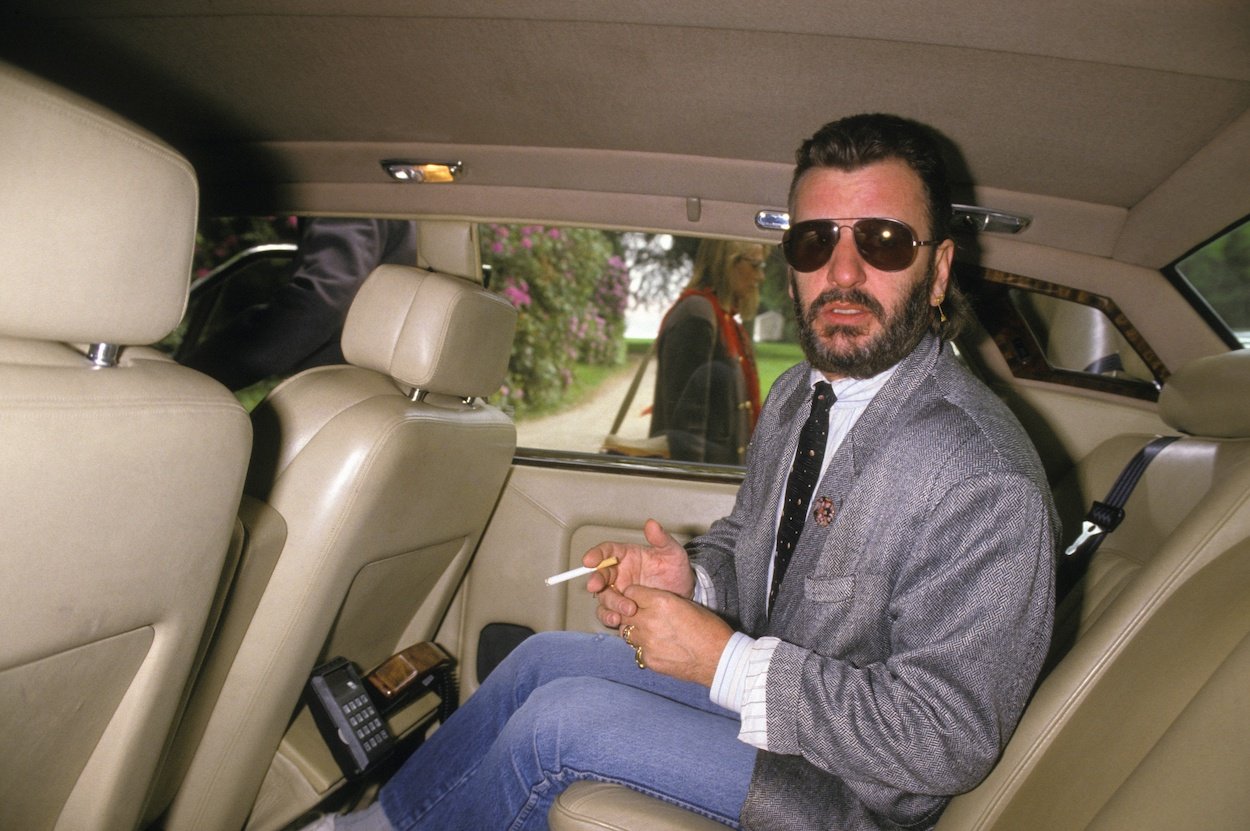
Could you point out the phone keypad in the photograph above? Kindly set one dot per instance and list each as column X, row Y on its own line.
column 365, row 721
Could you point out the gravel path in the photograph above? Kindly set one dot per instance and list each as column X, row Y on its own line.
column 584, row 426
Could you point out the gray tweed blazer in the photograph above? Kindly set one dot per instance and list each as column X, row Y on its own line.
column 916, row 612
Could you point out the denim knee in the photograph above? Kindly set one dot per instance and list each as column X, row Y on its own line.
column 554, row 717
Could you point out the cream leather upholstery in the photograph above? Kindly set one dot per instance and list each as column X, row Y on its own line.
column 121, row 480
column 599, row 806
column 1143, row 722
column 383, row 499
column 451, row 341
column 1135, row 727
column 1208, row 398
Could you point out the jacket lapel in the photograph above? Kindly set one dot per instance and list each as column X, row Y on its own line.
column 873, row 426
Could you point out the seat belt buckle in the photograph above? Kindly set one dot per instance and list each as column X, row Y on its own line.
column 1107, row 517
column 1102, row 519
column 1089, row 530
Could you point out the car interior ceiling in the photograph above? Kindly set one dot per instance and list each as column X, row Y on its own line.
column 1140, row 718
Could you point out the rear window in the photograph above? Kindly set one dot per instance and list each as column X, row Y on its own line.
column 1219, row 272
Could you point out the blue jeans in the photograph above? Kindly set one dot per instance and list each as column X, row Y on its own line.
column 564, row 707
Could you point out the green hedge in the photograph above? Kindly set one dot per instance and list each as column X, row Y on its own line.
column 570, row 289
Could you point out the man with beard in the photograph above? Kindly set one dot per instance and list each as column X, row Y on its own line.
column 846, row 657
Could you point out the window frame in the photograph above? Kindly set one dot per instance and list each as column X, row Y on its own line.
column 1195, row 298
column 1025, row 356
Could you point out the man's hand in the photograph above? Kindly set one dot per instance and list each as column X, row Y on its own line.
column 675, row 636
column 660, row 564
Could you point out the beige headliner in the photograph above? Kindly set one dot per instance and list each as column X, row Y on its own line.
column 1122, row 128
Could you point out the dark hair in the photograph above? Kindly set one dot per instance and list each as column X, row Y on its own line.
column 858, row 140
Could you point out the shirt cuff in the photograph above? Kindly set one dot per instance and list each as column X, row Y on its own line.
column 704, row 589
column 729, row 682
column 743, row 667
column 754, row 702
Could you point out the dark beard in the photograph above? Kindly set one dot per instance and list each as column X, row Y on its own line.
column 898, row 337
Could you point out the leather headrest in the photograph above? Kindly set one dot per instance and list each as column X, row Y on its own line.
column 1210, row 396
column 430, row 331
column 97, row 221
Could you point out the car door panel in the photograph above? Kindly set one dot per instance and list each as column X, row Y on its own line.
column 546, row 518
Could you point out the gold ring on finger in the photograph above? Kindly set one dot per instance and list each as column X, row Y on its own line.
column 627, row 632
column 638, row 657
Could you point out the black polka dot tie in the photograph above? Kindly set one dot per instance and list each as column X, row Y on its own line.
column 802, row 481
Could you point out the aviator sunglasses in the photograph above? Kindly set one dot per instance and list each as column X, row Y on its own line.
column 885, row 244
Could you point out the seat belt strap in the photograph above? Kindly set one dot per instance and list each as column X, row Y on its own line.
column 1106, row 515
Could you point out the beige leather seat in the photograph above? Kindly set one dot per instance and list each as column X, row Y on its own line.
column 1144, row 723
column 121, row 470
column 379, row 477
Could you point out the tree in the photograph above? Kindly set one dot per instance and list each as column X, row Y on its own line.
column 1220, row 271
column 570, row 289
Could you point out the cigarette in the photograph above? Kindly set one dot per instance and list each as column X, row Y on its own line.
column 578, row 572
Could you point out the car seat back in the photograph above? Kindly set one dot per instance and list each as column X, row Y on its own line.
column 383, row 473
column 121, row 470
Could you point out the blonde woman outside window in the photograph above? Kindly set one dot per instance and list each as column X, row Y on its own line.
column 707, row 392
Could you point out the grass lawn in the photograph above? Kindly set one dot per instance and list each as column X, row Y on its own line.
column 774, row 358
column 586, row 377
column 771, row 358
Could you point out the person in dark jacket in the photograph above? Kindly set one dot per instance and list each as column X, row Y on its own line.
column 300, row 326
column 707, row 390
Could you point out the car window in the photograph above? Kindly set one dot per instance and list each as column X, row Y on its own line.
column 589, row 372
column 618, row 353
column 1051, row 332
column 1219, row 272
column 1079, row 338
column 238, row 264
column 269, row 294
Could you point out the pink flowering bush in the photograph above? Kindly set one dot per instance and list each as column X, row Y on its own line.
column 570, row 290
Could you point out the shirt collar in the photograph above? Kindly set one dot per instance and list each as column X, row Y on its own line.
column 856, row 392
